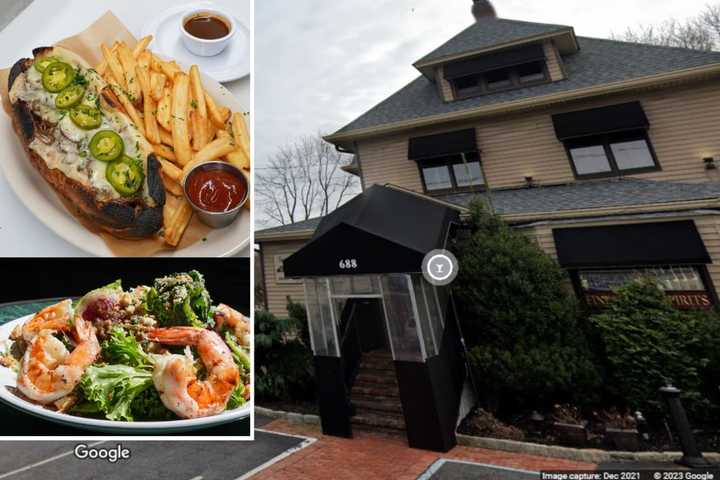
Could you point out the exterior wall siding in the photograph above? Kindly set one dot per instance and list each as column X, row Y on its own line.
column 554, row 62
column 708, row 226
column 683, row 131
column 444, row 87
column 278, row 290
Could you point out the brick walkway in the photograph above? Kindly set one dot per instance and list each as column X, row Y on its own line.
column 371, row 455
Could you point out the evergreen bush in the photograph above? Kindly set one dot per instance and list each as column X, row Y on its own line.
column 527, row 347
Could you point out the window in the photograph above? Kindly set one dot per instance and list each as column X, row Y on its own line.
column 460, row 172
column 522, row 75
column 612, row 154
column 682, row 283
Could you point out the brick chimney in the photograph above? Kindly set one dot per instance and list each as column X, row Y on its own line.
column 483, row 9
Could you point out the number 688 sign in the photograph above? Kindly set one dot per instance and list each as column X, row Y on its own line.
column 348, row 264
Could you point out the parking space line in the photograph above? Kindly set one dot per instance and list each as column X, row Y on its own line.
column 43, row 462
column 307, row 441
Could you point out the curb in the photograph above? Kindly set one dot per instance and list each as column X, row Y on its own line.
column 575, row 454
column 291, row 417
column 512, row 446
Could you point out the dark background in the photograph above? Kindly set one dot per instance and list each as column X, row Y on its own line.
column 227, row 279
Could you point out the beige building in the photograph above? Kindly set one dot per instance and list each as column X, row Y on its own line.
column 604, row 151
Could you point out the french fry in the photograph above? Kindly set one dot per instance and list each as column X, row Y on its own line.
column 191, row 124
column 113, row 66
column 128, row 63
column 157, row 83
column 239, row 159
column 110, row 95
column 151, row 127
column 170, row 169
column 171, row 204
column 129, row 107
column 171, row 185
column 181, row 135
column 164, row 112
column 165, row 137
column 141, row 45
column 240, row 132
column 101, row 67
column 212, row 151
column 200, row 133
column 170, row 69
column 164, row 151
column 214, row 112
column 178, row 223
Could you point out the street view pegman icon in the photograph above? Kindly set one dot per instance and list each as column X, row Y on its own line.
column 440, row 267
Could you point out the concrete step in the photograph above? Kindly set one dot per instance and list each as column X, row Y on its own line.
column 377, row 404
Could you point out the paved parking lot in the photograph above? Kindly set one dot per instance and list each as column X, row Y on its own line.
column 157, row 460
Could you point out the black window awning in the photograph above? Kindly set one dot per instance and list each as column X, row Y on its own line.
column 383, row 230
column 598, row 121
column 494, row 61
column 440, row 145
column 661, row 243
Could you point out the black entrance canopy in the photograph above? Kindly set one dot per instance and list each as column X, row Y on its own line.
column 440, row 145
column 597, row 121
column 494, row 61
column 383, row 230
column 659, row 243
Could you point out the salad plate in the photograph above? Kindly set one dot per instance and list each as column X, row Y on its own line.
column 8, row 383
column 150, row 360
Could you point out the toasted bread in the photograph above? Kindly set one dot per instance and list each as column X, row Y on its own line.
column 63, row 161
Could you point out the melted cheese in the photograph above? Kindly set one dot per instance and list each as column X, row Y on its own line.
column 68, row 148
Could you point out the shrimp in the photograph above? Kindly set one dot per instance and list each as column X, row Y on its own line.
column 235, row 320
column 55, row 317
column 175, row 377
column 48, row 371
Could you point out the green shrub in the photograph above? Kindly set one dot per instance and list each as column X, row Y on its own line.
column 647, row 342
column 283, row 357
column 520, row 319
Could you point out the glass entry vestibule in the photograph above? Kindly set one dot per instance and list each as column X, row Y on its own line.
column 414, row 305
column 364, row 293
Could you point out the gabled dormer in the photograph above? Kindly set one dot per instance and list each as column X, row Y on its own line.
column 496, row 55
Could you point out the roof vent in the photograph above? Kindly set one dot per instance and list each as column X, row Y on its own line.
column 483, row 9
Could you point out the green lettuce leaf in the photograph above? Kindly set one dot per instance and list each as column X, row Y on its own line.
column 113, row 388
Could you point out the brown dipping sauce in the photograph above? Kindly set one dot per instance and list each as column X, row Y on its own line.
column 215, row 190
column 207, row 26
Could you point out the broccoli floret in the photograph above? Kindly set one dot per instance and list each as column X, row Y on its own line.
column 180, row 299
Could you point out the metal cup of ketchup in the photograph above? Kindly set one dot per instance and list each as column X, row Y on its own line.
column 217, row 192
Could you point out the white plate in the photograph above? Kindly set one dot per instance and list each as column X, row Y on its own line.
column 8, row 379
column 231, row 64
column 41, row 200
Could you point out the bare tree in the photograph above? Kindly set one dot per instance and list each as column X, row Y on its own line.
column 302, row 180
column 701, row 32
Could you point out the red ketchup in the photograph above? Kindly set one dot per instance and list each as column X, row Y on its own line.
column 215, row 190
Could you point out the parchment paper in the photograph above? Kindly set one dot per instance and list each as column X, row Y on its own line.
column 108, row 29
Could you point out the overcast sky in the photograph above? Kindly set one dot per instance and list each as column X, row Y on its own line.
column 321, row 63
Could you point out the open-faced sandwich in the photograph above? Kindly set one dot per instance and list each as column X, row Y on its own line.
column 82, row 143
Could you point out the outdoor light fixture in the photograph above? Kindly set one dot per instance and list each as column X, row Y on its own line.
column 709, row 163
column 529, row 181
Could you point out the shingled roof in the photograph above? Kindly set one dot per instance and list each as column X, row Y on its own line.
column 488, row 33
column 598, row 62
column 624, row 192
column 310, row 224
